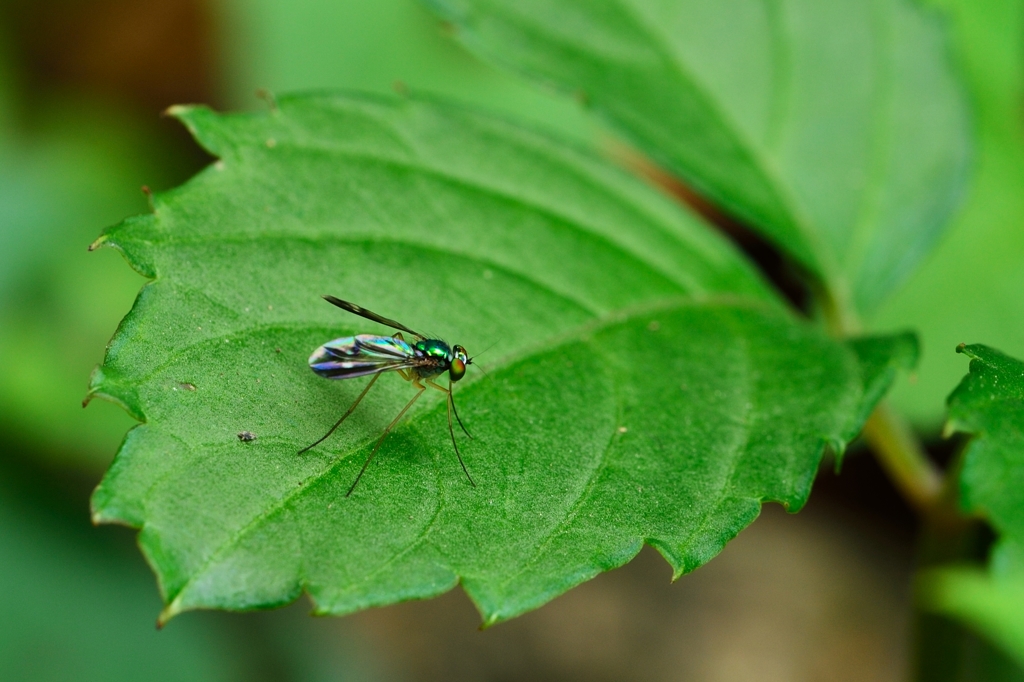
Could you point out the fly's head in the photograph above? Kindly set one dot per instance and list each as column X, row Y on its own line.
column 459, row 363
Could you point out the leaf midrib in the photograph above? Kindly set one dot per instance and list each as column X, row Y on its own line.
column 327, row 329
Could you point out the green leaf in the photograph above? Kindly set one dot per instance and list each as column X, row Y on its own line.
column 835, row 128
column 989, row 404
column 644, row 384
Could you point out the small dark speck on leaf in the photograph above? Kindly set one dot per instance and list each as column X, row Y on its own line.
column 246, row 436
column 187, row 386
column 654, row 326
column 277, row 350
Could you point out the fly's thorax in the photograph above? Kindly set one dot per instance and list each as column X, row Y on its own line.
column 435, row 357
column 435, row 349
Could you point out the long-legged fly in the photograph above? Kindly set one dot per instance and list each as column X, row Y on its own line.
column 367, row 355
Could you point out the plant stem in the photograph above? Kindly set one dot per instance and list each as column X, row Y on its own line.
column 896, row 447
column 903, row 459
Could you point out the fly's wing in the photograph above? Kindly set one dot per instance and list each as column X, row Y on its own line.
column 362, row 355
column 370, row 315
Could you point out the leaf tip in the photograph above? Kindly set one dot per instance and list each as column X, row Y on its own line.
column 103, row 385
column 961, row 347
column 176, row 111
column 100, row 241
column 168, row 612
column 837, row 446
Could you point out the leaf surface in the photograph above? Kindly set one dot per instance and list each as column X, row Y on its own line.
column 644, row 384
column 972, row 282
column 837, row 128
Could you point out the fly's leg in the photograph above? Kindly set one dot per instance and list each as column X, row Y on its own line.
column 344, row 416
column 452, row 406
column 380, row 440
column 451, row 431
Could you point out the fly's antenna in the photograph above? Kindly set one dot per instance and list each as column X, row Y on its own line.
column 470, row 361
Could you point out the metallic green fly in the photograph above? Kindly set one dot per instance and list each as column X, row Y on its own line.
column 368, row 355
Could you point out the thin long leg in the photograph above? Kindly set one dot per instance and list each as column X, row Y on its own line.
column 344, row 416
column 448, row 391
column 383, row 436
column 457, row 417
column 451, row 432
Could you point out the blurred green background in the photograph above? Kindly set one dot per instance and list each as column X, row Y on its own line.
column 82, row 85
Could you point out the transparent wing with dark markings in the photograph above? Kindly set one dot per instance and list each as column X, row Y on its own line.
column 362, row 355
column 370, row 315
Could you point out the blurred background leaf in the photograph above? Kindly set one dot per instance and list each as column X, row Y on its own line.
column 992, row 607
column 380, row 46
column 78, row 168
column 969, row 289
column 742, row 100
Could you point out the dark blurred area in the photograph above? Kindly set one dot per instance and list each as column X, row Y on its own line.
column 823, row 595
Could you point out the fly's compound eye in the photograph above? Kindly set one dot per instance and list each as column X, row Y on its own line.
column 457, row 369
